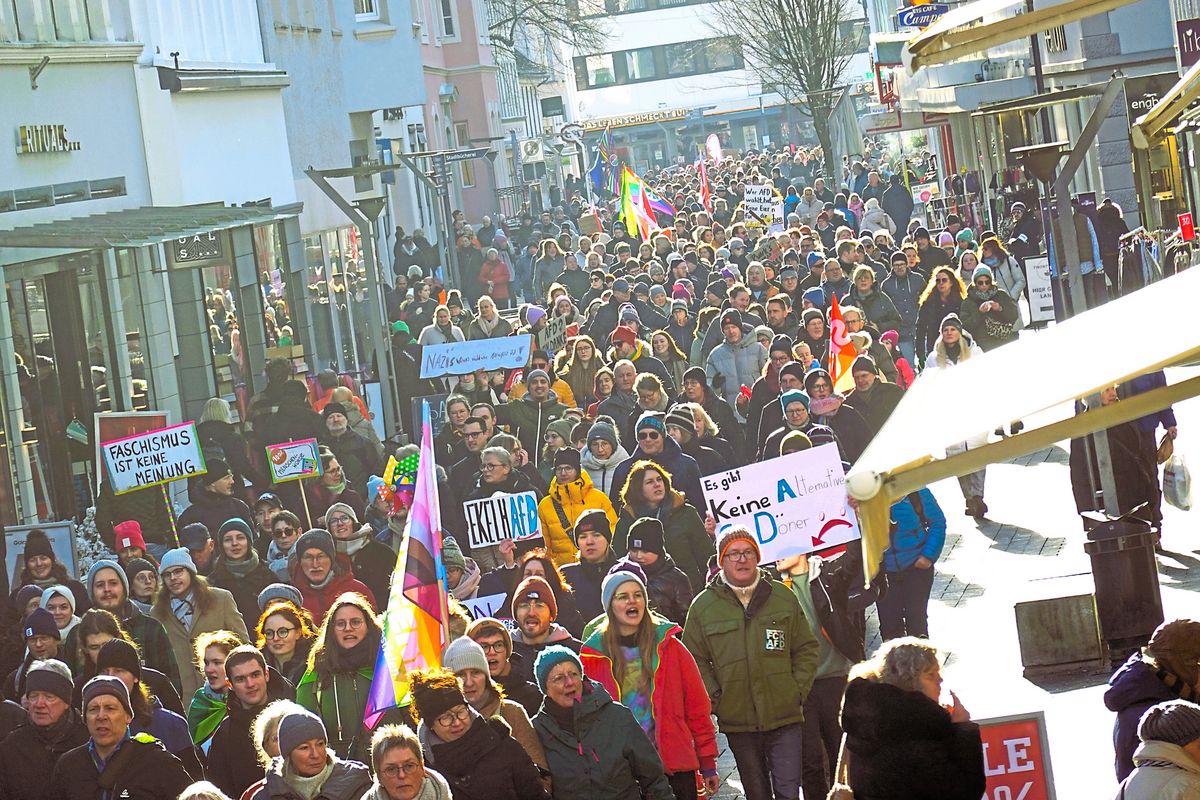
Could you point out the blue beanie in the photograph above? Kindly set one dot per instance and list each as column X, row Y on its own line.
column 550, row 658
column 792, row 396
column 815, row 295
column 812, row 258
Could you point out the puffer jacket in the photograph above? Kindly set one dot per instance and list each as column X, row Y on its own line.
column 876, row 219
column 1009, row 277
column 601, row 471
column 684, row 537
column 1164, row 772
column 572, row 499
column 910, row 537
column 1134, row 687
column 348, row 780
column 606, row 757
column 731, row 366
column 528, row 419
column 808, row 210
column 670, row 590
column 904, row 293
column 753, row 688
column 679, row 704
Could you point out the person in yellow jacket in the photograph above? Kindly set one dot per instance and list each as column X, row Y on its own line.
column 541, row 360
column 571, row 493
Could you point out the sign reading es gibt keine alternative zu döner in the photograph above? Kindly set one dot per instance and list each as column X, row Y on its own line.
column 491, row 520
column 148, row 459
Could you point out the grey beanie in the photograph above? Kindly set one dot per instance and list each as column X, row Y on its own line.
column 452, row 554
column 279, row 591
column 603, row 430
column 1175, row 722
column 106, row 563
column 172, row 559
column 297, row 728
column 464, row 653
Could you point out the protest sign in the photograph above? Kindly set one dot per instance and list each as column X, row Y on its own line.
column 459, row 358
column 291, row 461
column 1041, row 295
column 491, row 520
column 553, row 337
column 1016, row 757
column 437, row 414
column 762, row 207
column 153, row 458
column 491, row 606
column 113, row 425
column 793, row 504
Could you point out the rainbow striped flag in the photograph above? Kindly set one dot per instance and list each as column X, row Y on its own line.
column 638, row 221
column 608, row 155
column 414, row 625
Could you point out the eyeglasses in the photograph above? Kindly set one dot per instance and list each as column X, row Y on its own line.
column 647, row 435
column 493, row 647
column 394, row 770
column 739, row 555
column 489, row 467
column 349, row 624
column 278, row 633
column 472, row 434
column 570, row 676
column 943, row 279
column 314, row 558
column 462, row 714
column 340, row 520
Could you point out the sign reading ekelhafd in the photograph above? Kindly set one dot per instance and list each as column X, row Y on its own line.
column 793, row 504
column 491, row 520
column 459, row 358
column 148, row 459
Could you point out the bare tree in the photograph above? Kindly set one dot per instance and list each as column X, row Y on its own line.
column 513, row 22
column 799, row 48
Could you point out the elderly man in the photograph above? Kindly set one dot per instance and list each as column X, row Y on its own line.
column 622, row 401
column 358, row 457
column 28, row 754
column 871, row 397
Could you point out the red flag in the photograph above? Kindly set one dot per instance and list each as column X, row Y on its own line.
column 841, row 349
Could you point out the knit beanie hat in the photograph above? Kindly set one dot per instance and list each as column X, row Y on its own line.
column 316, row 539
column 331, row 408
column 613, row 581
column 129, row 534
column 105, row 563
column 217, row 469
column 653, row 420
column 298, row 727
column 594, row 520
column 535, row 588
column 464, row 653
column 374, row 484
column 794, row 441
column 120, row 654
column 136, row 565
column 793, row 396
column 562, row 427
column 107, row 684
column 279, row 591
column 1174, row 721
column 682, row 418
column 647, row 534
column 452, row 554
column 567, row 457
column 793, row 368
column 535, row 314
column 344, row 509
column 812, row 377
column 781, row 343
column 863, row 363
column 436, row 691
column 63, row 592
column 37, row 543
column 550, row 658
column 814, row 295
column 52, row 676
column 626, row 565
column 235, row 524
column 951, row 320
column 623, row 334
column 890, row 337
column 40, row 622
column 536, row 373
column 603, row 430
column 735, row 533
column 22, row 596
column 985, row 270
column 696, row 374
column 179, row 557
column 485, row 626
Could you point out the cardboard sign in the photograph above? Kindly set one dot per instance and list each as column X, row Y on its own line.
column 1041, row 296
column 491, row 520
column 793, row 504
column 459, row 358
column 148, row 459
column 491, row 606
column 1016, row 757
column 553, row 337
column 762, row 208
column 113, row 425
column 292, row 461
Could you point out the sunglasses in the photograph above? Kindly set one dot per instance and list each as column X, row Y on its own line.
column 279, row 533
column 644, row 435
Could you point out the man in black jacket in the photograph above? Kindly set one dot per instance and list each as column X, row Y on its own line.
column 358, row 457
column 592, row 534
column 28, row 754
column 232, row 759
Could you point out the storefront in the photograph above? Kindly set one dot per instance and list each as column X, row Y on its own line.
column 336, row 293
column 149, row 308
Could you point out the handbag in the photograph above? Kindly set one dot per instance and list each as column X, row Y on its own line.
column 1166, row 448
column 841, row 776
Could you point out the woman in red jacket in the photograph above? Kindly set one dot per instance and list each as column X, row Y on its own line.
column 639, row 659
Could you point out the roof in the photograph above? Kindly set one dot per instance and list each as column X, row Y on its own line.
column 136, row 227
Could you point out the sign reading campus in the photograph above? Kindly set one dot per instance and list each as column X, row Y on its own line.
column 459, row 358
column 491, row 520
column 148, row 459
column 793, row 504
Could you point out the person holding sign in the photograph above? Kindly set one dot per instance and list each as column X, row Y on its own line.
column 496, row 476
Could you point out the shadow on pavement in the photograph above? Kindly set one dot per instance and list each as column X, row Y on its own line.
column 1020, row 540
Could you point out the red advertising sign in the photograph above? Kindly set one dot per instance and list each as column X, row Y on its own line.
column 1187, row 226
column 1016, row 758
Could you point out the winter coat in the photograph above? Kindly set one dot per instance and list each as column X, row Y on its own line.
column 586, row 580
column 528, row 419
column 349, row 780
column 758, row 662
column 432, row 334
column 571, row 499
column 683, row 730
column 930, row 316
column 877, row 308
column 145, row 772
column 147, row 632
column 902, row 746
column 232, row 758
column 373, row 565
column 606, row 757
column 1133, row 688
column 644, row 361
column 29, row 753
column 1135, row 474
column 685, row 539
column 544, row 270
column 602, row 471
column 669, row 589
column 213, row 510
column 520, row 727
column 434, row 787
column 576, row 281
column 244, row 589
column 904, row 293
column 496, row 272
column 911, row 537
column 898, row 203
column 319, row 601
column 475, row 330
column 557, row 385
column 485, row 763
column 1010, row 278
column 875, row 219
column 358, row 457
column 685, row 473
column 1164, row 772
column 339, row 699
column 808, row 210
column 708, row 460
column 993, row 328
column 732, row 366
column 222, row 615
column 619, row 406
column 876, row 405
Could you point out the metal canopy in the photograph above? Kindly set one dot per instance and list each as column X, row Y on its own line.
column 1043, row 100
column 1153, row 125
column 962, row 31
column 137, row 227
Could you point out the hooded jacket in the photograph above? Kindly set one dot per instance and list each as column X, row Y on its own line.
column 995, row 327
column 875, row 219
column 572, row 499
column 1134, row 687
column 529, row 652
column 904, row 293
column 529, row 418
column 606, row 757
column 685, row 473
column 683, row 730
column 348, row 780
column 232, row 759
column 731, row 366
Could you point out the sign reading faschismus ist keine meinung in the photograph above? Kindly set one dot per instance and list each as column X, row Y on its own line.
column 148, row 459
column 491, row 520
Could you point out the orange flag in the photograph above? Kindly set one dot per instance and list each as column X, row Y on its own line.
column 841, row 350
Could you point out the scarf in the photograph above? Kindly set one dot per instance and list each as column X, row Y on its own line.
column 184, row 609
column 469, row 583
column 448, row 332
column 351, row 546
column 488, row 327
column 327, row 580
column 1177, row 685
column 331, row 492
column 360, row 655
column 745, row 593
column 954, row 351
column 563, row 715
column 307, row 788
column 240, row 569
column 205, row 713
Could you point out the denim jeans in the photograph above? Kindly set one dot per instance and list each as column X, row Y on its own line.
column 903, row 607
column 769, row 762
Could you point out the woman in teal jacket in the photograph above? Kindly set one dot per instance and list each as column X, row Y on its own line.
column 918, row 534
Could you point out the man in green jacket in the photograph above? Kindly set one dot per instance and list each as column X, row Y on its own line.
column 757, row 656
column 528, row 417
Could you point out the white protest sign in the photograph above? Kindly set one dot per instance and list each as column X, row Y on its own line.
column 491, row 520
column 1041, row 295
column 793, row 504
column 291, row 461
column 762, row 207
column 459, row 358
column 553, row 337
column 490, row 606
column 148, row 459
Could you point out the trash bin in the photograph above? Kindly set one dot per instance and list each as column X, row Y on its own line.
column 1128, row 600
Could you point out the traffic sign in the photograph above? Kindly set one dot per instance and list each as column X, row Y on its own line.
column 456, row 156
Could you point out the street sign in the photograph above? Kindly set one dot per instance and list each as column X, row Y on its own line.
column 571, row 132
column 464, row 155
column 921, row 16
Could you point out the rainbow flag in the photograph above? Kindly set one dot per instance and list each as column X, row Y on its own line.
column 414, row 625
column 841, row 349
column 638, row 221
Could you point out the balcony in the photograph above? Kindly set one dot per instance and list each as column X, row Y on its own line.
column 64, row 22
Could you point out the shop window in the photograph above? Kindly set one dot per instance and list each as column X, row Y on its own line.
column 639, row 64
column 137, row 370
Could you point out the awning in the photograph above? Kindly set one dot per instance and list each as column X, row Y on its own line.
column 1037, row 101
column 962, row 31
column 1040, row 371
column 1154, row 123
column 137, row 227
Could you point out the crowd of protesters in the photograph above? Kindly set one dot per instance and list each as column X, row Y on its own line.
column 237, row 661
